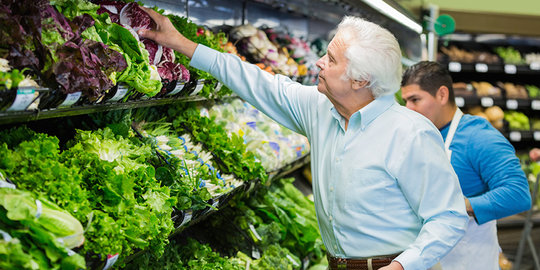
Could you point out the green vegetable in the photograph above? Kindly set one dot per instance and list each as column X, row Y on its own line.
column 517, row 120
column 230, row 150
column 41, row 239
column 534, row 91
column 510, row 55
column 11, row 79
column 12, row 256
column 21, row 206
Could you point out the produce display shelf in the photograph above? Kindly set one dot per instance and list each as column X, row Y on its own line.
column 190, row 217
column 456, row 67
column 468, row 101
column 26, row 116
column 184, row 219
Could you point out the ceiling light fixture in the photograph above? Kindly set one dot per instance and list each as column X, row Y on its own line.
column 391, row 12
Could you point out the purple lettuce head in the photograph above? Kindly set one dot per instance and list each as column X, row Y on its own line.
column 185, row 73
column 54, row 20
column 168, row 55
column 113, row 8
column 155, row 51
column 79, row 70
column 169, row 71
column 133, row 16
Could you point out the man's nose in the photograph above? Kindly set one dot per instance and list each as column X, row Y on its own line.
column 320, row 62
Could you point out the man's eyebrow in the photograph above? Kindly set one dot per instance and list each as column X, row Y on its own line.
column 330, row 54
column 410, row 97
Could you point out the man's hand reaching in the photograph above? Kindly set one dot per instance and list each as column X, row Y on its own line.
column 166, row 34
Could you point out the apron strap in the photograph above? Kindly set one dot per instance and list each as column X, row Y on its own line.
column 451, row 132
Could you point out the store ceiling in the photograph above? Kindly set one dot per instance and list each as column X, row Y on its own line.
column 518, row 17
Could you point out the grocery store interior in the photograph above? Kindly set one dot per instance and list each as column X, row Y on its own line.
column 115, row 153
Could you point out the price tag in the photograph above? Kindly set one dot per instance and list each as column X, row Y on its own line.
column 4, row 184
column 515, row 136
column 177, row 89
column 187, row 218
column 215, row 204
column 111, row 260
column 481, row 67
column 22, row 100
column 70, row 99
column 454, row 67
column 5, row 235
column 460, row 101
column 512, row 104
column 255, row 233
column 121, row 91
column 291, row 259
column 198, row 88
column 218, row 86
column 510, row 69
column 486, row 102
column 535, row 66
column 535, row 105
column 255, row 254
column 305, row 263
column 536, row 135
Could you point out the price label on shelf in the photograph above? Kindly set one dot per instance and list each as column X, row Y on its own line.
column 187, row 218
column 255, row 254
column 71, row 99
column 512, row 104
column 481, row 67
column 215, row 203
column 486, row 102
column 218, row 86
column 460, row 101
column 121, row 91
column 177, row 89
column 510, row 69
column 22, row 100
column 535, row 105
column 454, row 67
column 198, row 88
column 515, row 136
column 536, row 135
column 111, row 260
column 4, row 184
column 535, row 66
column 252, row 229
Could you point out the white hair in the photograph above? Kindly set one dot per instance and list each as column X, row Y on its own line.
column 373, row 54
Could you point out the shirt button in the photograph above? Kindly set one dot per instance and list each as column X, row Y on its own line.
column 335, row 247
column 331, row 188
column 330, row 218
column 338, row 159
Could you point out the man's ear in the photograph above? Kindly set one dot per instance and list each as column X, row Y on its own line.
column 443, row 94
column 357, row 84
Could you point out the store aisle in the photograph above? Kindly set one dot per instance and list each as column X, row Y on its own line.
column 509, row 232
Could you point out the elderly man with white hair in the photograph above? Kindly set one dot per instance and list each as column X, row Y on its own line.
column 385, row 194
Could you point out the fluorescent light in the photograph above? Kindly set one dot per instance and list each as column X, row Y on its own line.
column 391, row 12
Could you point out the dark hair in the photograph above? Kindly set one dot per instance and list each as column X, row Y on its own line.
column 430, row 76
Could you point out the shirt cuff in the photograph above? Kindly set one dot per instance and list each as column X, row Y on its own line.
column 203, row 58
column 482, row 208
column 410, row 259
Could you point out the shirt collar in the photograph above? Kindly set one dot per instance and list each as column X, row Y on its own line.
column 374, row 109
column 367, row 114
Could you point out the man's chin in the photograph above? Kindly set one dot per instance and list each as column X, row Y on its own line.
column 321, row 89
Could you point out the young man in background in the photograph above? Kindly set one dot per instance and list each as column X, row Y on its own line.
column 488, row 170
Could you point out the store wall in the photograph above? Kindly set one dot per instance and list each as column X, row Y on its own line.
column 519, row 7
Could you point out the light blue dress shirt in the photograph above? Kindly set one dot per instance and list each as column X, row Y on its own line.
column 382, row 186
